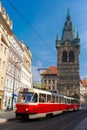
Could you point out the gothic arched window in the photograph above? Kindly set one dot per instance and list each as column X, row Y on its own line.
column 64, row 56
column 71, row 56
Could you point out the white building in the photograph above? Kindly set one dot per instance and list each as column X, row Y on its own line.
column 26, row 75
column 13, row 73
column 18, row 60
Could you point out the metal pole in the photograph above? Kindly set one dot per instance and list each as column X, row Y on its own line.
column 13, row 88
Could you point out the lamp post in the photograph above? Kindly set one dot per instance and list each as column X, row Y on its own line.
column 14, row 83
column 42, row 77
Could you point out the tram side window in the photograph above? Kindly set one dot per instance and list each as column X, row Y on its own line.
column 77, row 101
column 48, row 98
column 59, row 99
column 56, row 98
column 53, row 99
column 74, row 101
column 63, row 100
column 68, row 101
column 42, row 98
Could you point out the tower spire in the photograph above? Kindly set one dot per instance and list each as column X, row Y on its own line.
column 57, row 37
column 68, row 32
column 68, row 15
column 77, row 35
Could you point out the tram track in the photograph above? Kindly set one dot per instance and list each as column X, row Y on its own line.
column 50, row 123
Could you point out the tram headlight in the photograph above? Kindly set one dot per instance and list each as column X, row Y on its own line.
column 26, row 109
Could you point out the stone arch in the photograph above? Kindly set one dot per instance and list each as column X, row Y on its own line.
column 71, row 56
column 64, row 56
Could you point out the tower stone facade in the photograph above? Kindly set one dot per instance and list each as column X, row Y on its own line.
column 68, row 60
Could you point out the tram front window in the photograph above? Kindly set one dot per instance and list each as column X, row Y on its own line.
column 26, row 97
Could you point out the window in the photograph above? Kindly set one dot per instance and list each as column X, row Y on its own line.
column 7, row 83
column 49, row 87
column 71, row 56
column 0, row 62
column 1, row 81
column 42, row 98
column 3, row 64
column 48, row 98
column 45, row 81
column 5, row 50
column 49, row 81
column 35, row 98
column 59, row 99
column 53, row 99
column 53, row 81
column 53, row 88
column 26, row 97
column 1, row 47
column 64, row 56
column 68, row 101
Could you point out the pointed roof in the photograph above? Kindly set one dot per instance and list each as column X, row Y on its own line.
column 51, row 70
column 5, row 16
column 57, row 37
column 77, row 35
column 84, row 82
column 68, row 15
column 68, row 32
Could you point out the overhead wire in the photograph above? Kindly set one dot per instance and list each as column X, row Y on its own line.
column 33, row 29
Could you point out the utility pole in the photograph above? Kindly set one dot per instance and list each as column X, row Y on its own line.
column 14, row 84
column 41, row 69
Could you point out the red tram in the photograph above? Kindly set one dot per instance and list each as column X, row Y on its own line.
column 37, row 103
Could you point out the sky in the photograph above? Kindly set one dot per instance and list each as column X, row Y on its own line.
column 38, row 25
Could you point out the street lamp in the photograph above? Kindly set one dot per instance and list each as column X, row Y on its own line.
column 42, row 76
column 14, row 83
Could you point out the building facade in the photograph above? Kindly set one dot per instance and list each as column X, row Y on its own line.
column 4, row 45
column 83, row 92
column 68, row 48
column 5, row 32
column 49, row 79
column 26, row 75
column 15, row 72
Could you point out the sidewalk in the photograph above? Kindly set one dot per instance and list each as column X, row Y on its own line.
column 6, row 116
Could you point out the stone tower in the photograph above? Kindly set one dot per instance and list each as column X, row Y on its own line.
column 68, row 49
